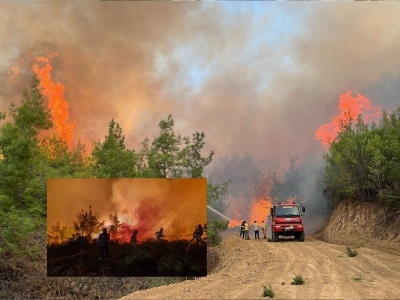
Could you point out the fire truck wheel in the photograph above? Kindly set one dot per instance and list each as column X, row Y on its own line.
column 275, row 237
column 301, row 237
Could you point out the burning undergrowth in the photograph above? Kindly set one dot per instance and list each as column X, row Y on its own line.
column 150, row 258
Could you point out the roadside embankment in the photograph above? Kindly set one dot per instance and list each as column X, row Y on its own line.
column 364, row 225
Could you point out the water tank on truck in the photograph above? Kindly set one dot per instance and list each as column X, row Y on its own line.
column 286, row 220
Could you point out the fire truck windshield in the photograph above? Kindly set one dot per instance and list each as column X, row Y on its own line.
column 287, row 211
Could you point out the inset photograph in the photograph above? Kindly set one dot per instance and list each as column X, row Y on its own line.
column 126, row 227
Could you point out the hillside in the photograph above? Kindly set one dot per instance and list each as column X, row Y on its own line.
column 363, row 224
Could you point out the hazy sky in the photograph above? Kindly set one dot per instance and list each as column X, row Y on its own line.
column 177, row 205
column 259, row 77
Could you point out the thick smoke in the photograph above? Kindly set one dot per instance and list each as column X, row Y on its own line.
column 257, row 82
column 256, row 181
column 255, row 77
column 311, row 187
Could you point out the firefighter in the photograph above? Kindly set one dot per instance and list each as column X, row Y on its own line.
column 197, row 234
column 159, row 234
column 246, row 231
column 134, row 239
column 102, row 244
column 256, row 230
column 242, row 229
column 264, row 229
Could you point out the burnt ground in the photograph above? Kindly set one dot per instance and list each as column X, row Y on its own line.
column 150, row 258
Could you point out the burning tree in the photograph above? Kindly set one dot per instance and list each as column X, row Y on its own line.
column 57, row 104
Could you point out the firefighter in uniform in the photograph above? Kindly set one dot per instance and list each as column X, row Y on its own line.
column 246, row 231
column 242, row 230
column 264, row 229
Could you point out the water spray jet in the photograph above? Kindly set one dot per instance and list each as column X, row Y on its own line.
column 217, row 212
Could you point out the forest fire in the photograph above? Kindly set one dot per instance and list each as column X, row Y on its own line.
column 54, row 92
column 350, row 107
column 146, row 205
column 259, row 211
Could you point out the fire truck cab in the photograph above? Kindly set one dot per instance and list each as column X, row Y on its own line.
column 286, row 220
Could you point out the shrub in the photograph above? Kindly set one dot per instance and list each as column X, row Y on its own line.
column 297, row 280
column 213, row 231
column 350, row 252
column 268, row 292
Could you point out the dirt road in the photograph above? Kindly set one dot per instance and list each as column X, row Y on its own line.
column 245, row 266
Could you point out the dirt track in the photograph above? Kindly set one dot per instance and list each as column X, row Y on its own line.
column 246, row 266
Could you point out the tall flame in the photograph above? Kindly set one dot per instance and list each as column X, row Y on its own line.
column 259, row 211
column 350, row 107
column 54, row 92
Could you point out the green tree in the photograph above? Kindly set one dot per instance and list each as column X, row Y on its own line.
column 16, row 226
column 19, row 150
column 363, row 162
column 214, row 229
column 173, row 156
column 111, row 159
column 192, row 161
column 215, row 196
column 164, row 157
column 22, row 172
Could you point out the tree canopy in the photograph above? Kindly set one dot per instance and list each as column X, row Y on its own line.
column 30, row 154
column 363, row 161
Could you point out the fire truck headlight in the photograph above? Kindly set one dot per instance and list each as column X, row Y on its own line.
column 277, row 225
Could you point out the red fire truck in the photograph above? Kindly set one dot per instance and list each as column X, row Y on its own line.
column 286, row 220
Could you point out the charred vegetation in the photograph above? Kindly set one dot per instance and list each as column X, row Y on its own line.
column 150, row 258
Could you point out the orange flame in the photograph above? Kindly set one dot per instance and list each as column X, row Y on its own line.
column 350, row 107
column 234, row 223
column 260, row 210
column 57, row 104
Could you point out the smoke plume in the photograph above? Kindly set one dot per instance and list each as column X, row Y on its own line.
column 255, row 77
